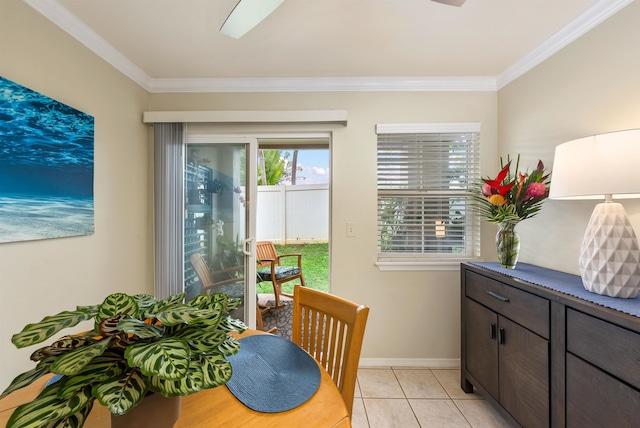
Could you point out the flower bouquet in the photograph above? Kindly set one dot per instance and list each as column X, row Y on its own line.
column 507, row 200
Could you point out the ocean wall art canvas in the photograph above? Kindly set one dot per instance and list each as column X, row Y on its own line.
column 46, row 167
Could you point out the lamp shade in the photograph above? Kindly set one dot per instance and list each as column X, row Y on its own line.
column 591, row 167
column 603, row 166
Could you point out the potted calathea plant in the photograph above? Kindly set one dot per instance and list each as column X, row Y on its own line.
column 139, row 346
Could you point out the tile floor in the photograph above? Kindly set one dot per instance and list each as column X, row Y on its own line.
column 418, row 397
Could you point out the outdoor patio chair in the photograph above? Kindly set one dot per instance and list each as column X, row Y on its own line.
column 229, row 280
column 270, row 267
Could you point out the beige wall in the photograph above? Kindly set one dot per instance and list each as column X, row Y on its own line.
column 40, row 278
column 591, row 86
column 413, row 314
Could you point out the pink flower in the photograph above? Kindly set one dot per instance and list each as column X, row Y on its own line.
column 486, row 190
column 536, row 190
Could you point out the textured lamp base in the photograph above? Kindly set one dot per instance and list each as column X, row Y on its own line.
column 610, row 256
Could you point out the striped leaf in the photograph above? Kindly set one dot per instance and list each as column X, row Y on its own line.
column 36, row 333
column 219, row 298
column 201, row 301
column 141, row 329
column 48, row 407
column 26, row 378
column 61, row 347
column 183, row 314
column 109, row 326
column 107, row 366
column 122, row 394
column 76, row 420
column 74, row 361
column 232, row 324
column 144, row 300
column 117, row 304
column 216, row 370
column 202, row 339
column 230, row 346
column 167, row 358
column 91, row 310
column 192, row 382
column 233, row 303
column 162, row 305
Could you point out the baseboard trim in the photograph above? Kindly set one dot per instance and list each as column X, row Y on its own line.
column 432, row 363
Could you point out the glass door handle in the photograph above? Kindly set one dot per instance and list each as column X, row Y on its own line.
column 247, row 245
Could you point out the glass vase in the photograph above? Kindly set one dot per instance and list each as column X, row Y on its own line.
column 507, row 245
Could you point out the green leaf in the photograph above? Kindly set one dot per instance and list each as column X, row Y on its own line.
column 217, row 371
column 48, row 407
column 162, row 305
column 91, row 310
column 144, row 300
column 192, row 382
column 122, row 394
column 72, row 362
column 109, row 365
column 230, row 346
column 36, row 333
column 76, row 420
column 167, row 359
column 231, row 324
column 233, row 303
column 26, row 378
column 202, row 339
column 117, row 304
column 183, row 314
column 141, row 329
column 201, row 301
column 61, row 347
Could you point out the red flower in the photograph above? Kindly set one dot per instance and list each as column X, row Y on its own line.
column 496, row 185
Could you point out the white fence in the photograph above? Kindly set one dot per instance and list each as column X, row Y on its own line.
column 293, row 214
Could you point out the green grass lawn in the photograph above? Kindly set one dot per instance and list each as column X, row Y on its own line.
column 315, row 267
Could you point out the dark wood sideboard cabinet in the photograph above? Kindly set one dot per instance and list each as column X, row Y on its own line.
column 544, row 358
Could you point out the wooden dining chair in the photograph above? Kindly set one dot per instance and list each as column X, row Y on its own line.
column 277, row 269
column 331, row 330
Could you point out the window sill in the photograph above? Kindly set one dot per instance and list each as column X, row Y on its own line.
column 420, row 265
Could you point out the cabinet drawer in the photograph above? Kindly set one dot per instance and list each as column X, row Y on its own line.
column 524, row 308
column 612, row 348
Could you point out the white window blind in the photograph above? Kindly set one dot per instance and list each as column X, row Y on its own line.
column 425, row 176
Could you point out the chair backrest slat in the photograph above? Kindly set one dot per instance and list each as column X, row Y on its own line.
column 331, row 330
column 265, row 250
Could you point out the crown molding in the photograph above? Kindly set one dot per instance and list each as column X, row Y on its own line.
column 593, row 16
column 325, row 84
column 59, row 15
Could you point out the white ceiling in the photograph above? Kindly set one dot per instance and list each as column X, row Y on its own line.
column 176, row 46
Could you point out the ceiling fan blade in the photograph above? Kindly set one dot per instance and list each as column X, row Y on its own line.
column 246, row 15
column 451, row 2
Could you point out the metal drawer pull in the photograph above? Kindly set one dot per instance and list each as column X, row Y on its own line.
column 493, row 331
column 501, row 336
column 497, row 296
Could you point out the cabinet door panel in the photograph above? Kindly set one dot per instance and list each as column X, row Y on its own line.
column 481, row 346
column 524, row 374
column 595, row 399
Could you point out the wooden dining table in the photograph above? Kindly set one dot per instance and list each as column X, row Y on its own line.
column 218, row 407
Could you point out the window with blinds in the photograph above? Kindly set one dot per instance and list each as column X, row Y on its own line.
column 426, row 173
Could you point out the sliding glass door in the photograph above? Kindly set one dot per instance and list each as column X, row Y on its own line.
column 219, row 219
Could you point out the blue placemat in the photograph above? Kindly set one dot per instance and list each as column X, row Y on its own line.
column 272, row 374
column 565, row 283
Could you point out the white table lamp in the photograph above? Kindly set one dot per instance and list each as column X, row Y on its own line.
column 605, row 165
